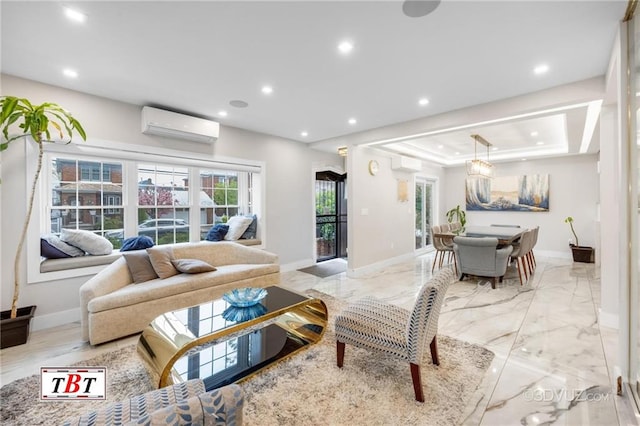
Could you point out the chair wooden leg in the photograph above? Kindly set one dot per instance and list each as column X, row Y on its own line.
column 519, row 269
column 434, row 351
column 435, row 260
column 493, row 283
column 417, row 384
column 340, row 353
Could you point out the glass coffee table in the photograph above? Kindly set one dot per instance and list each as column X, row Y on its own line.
column 200, row 342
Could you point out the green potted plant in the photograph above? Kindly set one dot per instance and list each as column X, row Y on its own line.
column 35, row 123
column 456, row 214
column 584, row 254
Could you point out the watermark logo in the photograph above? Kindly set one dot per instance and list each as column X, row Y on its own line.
column 592, row 394
column 73, row 383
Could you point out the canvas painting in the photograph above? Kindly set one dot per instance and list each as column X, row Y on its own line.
column 527, row 193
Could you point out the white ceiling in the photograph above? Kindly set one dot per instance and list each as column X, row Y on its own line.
column 196, row 57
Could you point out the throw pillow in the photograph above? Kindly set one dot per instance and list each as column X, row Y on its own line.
column 217, row 232
column 88, row 241
column 161, row 257
column 52, row 247
column 192, row 266
column 140, row 266
column 252, row 229
column 237, row 226
column 136, row 243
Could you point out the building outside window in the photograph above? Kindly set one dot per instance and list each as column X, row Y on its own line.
column 91, row 195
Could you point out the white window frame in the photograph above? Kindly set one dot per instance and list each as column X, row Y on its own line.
column 109, row 150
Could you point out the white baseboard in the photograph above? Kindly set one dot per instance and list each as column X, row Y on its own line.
column 552, row 253
column 606, row 319
column 374, row 267
column 41, row 322
column 293, row 266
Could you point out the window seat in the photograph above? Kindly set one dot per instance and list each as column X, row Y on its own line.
column 51, row 265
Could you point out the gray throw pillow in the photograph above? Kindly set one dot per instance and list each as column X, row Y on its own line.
column 161, row 257
column 93, row 244
column 67, row 249
column 192, row 266
column 140, row 266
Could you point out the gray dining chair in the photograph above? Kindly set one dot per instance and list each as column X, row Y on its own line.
column 521, row 254
column 442, row 249
column 481, row 257
column 401, row 334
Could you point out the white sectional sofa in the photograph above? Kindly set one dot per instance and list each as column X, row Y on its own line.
column 113, row 306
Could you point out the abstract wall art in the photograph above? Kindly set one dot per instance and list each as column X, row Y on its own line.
column 527, row 193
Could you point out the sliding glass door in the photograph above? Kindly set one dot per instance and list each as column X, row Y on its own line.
column 424, row 212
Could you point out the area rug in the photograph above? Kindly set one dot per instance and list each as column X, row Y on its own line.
column 307, row 388
column 327, row 268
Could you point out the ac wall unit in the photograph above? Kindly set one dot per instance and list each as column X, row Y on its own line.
column 406, row 164
column 179, row 126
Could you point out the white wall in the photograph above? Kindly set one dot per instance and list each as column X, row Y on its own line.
column 381, row 228
column 573, row 191
column 289, row 213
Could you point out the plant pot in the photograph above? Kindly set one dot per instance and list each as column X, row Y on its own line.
column 582, row 254
column 15, row 331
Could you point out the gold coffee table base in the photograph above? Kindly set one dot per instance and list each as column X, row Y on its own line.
column 197, row 342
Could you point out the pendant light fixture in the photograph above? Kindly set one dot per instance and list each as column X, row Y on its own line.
column 478, row 167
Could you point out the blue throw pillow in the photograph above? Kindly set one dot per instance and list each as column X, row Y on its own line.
column 251, row 231
column 137, row 243
column 217, row 232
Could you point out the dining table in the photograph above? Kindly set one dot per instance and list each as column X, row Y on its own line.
column 505, row 235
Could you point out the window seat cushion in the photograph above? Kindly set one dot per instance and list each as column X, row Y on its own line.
column 248, row 241
column 51, row 265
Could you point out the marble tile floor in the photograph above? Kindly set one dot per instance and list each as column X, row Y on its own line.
column 552, row 360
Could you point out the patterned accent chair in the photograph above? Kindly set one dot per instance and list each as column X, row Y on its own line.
column 375, row 325
column 183, row 403
column 481, row 257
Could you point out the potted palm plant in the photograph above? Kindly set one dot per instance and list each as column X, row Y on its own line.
column 456, row 214
column 584, row 254
column 35, row 123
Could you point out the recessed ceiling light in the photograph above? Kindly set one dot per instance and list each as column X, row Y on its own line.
column 345, row 47
column 494, row 148
column 222, row 113
column 74, row 15
column 457, row 153
column 267, row 90
column 541, row 69
column 304, row 134
column 70, row 73
column 352, row 121
column 440, row 146
column 524, row 159
column 539, row 143
column 423, row 101
column 534, row 134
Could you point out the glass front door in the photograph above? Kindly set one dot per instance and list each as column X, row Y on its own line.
column 424, row 212
column 331, row 216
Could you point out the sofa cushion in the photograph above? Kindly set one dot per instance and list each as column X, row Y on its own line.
column 93, row 244
column 178, row 284
column 140, row 242
column 217, row 232
column 51, row 245
column 237, row 226
column 140, row 266
column 161, row 257
column 192, row 266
